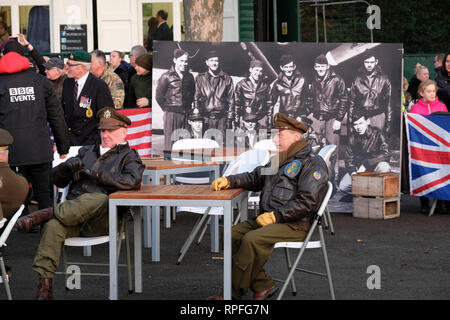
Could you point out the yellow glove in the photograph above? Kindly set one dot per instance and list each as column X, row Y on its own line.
column 221, row 183
column 265, row 219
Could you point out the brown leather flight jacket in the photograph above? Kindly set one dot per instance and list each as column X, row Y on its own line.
column 294, row 193
column 120, row 168
column 372, row 96
column 175, row 94
column 214, row 96
column 253, row 96
column 291, row 93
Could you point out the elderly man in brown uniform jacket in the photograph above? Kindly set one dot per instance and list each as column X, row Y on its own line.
column 93, row 174
column 13, row 187
column 290, row 196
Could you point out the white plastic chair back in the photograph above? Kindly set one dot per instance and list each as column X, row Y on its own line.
column 10, row 225
column 73, row 151
column 246, row 162
column 326, row 152
column 188, row 144
column 266, row 144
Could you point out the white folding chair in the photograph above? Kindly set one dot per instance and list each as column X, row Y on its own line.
column 3, row 238
column 307, row 244
column 92, row 241
column 57, row 192
column 326, row 153
column 188, row 144
column 246, row 162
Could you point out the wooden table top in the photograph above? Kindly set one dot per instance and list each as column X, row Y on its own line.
column 190, row 192
column 171, row 164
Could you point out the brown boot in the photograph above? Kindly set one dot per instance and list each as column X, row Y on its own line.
column 26, row 223
column 45, row 291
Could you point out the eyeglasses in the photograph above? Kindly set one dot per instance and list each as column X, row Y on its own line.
column 73, row 64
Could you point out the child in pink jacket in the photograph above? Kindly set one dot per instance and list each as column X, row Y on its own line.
column 428, row 102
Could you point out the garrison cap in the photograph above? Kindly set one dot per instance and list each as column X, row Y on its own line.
column 283, row 122
column 109, row 118
column 321, row 59
column 285, row 59
column 6, row 139
column 81, row 56
column 249, row 117
column 256, row 63
column 211, row 54
column 195, row 115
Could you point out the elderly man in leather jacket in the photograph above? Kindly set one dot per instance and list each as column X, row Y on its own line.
column 214, row 95
column 252, row 95
column 367, row 150
column 93, row 174
column 289, row 198
column 371, row 93
column 289, row 87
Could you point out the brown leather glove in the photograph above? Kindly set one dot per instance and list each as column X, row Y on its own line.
column 265, row 219
column 221, row 183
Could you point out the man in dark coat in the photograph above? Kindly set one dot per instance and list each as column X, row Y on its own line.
column 83, row 95
column 214, row 94
column 175, row 95
column 371, row 92
column 97, row 171
column 163, row 31
column 290, row 197
column 367, row 150
column 27, row 103
column 252, row 95
column 329, row 100
column 289, row 89
column 13, row 187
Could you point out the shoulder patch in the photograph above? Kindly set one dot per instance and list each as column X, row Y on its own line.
column 293, row 168
column 317, row 175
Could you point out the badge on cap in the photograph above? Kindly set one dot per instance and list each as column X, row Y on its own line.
column 107, row 114
column 293, row 168
column 248, row 110
column 317, row 175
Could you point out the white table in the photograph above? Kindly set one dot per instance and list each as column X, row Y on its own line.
column 173, row 195
column 155, row 169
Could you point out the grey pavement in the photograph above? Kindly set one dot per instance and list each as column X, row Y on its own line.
column 411, row 252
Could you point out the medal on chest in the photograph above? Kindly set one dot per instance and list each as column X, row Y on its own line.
column 85, row 103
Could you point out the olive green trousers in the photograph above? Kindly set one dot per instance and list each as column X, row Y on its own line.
column 85, row 216
column 252, row 246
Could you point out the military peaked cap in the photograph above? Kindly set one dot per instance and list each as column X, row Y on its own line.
column 283, row 122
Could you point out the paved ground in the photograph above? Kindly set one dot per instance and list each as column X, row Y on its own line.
column 411, row 252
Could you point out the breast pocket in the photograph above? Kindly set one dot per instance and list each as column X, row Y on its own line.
column 284, row 190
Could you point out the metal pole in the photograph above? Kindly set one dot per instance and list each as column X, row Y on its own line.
column 317, row 24
column 275, row 21
column 324, row 24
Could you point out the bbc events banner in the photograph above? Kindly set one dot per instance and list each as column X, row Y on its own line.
column 348, row 94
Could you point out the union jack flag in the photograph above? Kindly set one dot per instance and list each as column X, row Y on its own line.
column 140, row 132
column 429, row 155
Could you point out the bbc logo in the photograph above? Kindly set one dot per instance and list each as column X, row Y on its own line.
column 21, row 91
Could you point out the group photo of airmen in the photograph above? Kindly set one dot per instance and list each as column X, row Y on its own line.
column 347, row 94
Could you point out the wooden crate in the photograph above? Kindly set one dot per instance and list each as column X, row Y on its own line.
column 374, row 184
column 376, row 207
